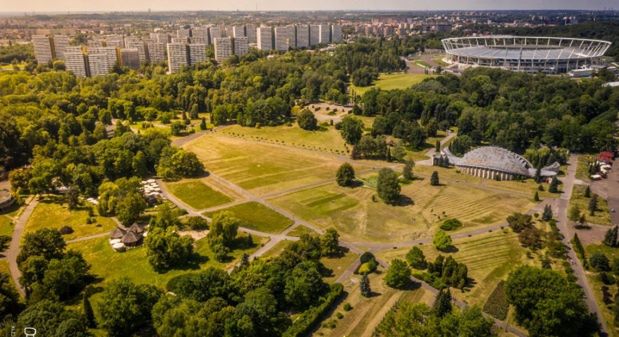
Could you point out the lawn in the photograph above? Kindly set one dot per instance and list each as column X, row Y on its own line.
column 582, row 168
column 48, row 214
column 197, row 194
column 109, row 265
column 601, row 216
column 355, row 215
column 393, row 81
column 259, row 167
column 256, row 216
column 489, row 258
column 327, row 139
column 6, row 225
column 338, row 265
column 300, row 230
column 602, row 291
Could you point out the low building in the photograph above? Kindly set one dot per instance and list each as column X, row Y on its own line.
column 492, row 162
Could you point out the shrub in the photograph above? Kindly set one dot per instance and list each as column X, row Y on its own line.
column 347, row 307
column 308, row 319
column 451, row 224
column 339, row 315
column 65, row 230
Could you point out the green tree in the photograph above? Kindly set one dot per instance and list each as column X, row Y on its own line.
column 204, row 285
column 166, row 249
column 611, row 238
column 330, row 244
column 203, row 124
column 599, row 262
column 442, row 303
column 416, row 259
column 45, row 242
column 536, row 197
column 547, row 215
column 554, row 185
column 593, row 204
column 441, row 241
column 225, row 226
column 126, row 307
column 165, row 217
column 366, row 290
column 407, row 171
column 63, row 278
column 306, row 120
column 54, row 319
column 434, row 180
column 388, row 186
column 547, row 304
column 398, row 274
column 89, row 314
column 130, row 207
column 587, row 193
column 574, row 213
column 351, row 129
column 9, row 298
column 304, row 285
column 345, row 175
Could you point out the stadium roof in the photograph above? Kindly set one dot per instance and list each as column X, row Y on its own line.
column 494, row 158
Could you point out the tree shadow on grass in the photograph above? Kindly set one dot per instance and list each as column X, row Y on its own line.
column 404, row 201
column 450, row 249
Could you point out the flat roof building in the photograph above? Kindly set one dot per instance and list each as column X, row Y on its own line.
column 98, row 64
column 223, row 48
column 314, row 35
column 214, row 32
column 61, row 42
column 75, row 62
column 250, row 32
column 156, row 52
column 200, row 35
column 177, row 56
column 238, row 31
column 265, row 38
column 285, row 38
column 303, row 36
column 324, row 33
column 111, row 53
column 197, row 53
column 134, row 42
column 43, row 48
column 336, row 33
column 241, row 46
column 130, row 58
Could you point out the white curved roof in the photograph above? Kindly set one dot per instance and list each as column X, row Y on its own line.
column 495, row 158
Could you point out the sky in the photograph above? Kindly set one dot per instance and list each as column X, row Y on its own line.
column 292, row 5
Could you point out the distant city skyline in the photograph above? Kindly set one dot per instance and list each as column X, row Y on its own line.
column 63, row 6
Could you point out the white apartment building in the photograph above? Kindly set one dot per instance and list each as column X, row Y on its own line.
column 214, row 32
column 250, row 32
column 160, row 37
column 265, row 38
column 177, row 56
column 134, row 42
column 314, row 35
column 43, row 50
column 336, row 33
column 130, row 57
column 238, row 31
column 285, row 38
column 303, row 36
column 223, row 48
column 241, row 46
column 156, row 52
column 324, row 34
column 197, row 53
column 61, row 42
column 200, row 35
column 115, row 40
column 111, row 53
column 75, row 61
column 98, row 64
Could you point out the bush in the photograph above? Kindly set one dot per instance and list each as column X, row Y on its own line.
column 347, row 307
column 308, row 319
column 66, row 230
column 451, row 224
column 339, row 315
column 197, row 223
column 368, row 267
column 367, row 256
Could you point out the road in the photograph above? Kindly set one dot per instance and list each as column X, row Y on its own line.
column 568, row 231
column 13, row 250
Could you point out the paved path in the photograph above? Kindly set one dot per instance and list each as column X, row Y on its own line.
column 13, row 251
column 432, row 151
column 568, row 232
column 90, row 237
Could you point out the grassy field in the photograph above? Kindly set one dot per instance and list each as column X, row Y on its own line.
column 6, row 225
column 49, row 214
column 276, row 249
column 197, row 194
column 328, row 139
column 110, row 265
column 261, row 168
column 338, row 265
column 256, row 216
column 599, row 289
column 392, row 81
column 352, row 212
column 602, row 215
column 300, row 230
column 489, row 258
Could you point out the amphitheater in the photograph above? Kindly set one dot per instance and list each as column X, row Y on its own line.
column 551, row 55
column 492, row 162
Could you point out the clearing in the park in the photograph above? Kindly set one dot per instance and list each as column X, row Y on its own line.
column 393, row 81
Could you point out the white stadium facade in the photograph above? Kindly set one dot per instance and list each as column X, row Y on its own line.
column 551, row 55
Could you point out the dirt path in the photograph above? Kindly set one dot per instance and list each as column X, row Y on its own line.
column 13, row 250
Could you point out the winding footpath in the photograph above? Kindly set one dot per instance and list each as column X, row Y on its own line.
column 13, row 250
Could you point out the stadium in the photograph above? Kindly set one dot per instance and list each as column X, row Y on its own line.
column 551, row 55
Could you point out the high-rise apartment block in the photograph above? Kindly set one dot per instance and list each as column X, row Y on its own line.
column 98, row 64
column 238, row 31
column 160, row 37
column 241, row 46
column 336, row 33
column 324, row 34
column 134, row 42
column 265, row 38
column 250, row 32
column 214, row 32
column 303, row 36
column 314, row 35
column 156, row 52
column 75, row 62
column 183, row 33
column 43, row 48
column 130, row 57
column 223, row 48
column 200, row 35
column 111, row 53
column 115, row 40
column 197, row 53
column 61, row 42
column 177, row 56
column 285, row 38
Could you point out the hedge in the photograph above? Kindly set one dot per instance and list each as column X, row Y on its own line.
column 497, row 304
column 310, row 317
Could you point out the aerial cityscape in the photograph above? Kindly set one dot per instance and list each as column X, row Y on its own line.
column 326, row 168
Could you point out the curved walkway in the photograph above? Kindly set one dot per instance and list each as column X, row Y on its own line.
column 13, row 250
